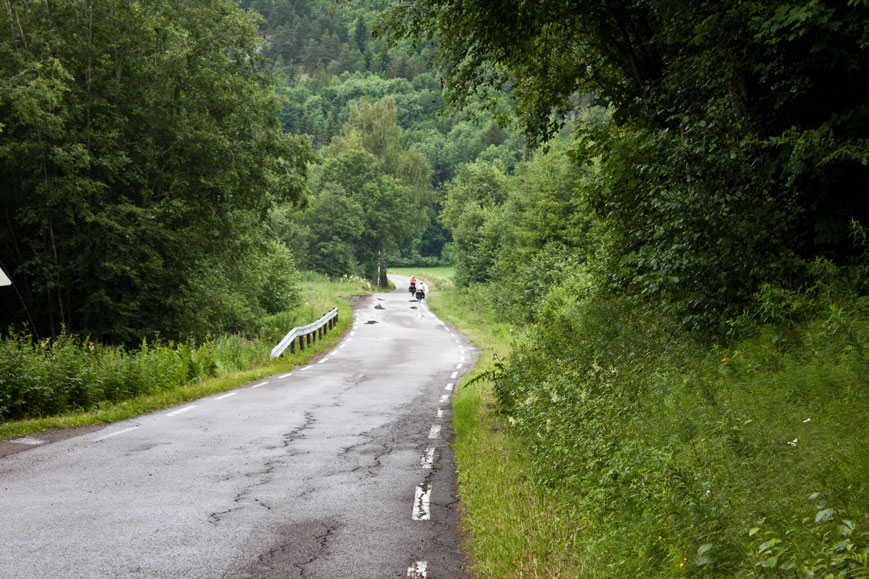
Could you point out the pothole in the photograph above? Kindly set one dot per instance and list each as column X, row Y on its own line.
column 379, row 307
column 371, row 322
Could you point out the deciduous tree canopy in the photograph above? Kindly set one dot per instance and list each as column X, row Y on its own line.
column 737, row 144
column 141, row 146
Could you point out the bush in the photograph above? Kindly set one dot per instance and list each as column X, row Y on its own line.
column 737, row 460
column 43, row 378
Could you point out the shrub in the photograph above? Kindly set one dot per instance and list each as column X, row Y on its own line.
column 42, row 378
column 697, row 460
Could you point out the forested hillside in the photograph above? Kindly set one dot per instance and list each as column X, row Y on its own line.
column 330, row 69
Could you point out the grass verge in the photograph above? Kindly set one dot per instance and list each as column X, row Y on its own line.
column 513, row 528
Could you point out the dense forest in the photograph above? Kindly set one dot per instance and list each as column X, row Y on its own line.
column 669, row 197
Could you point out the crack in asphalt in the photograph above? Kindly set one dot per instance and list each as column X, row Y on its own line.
column 323, row 540
column 297, row 546
column 265, row 476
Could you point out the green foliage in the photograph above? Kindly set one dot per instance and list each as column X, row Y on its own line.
column 724, row 117
column 42, row 378
column 139, row 144
column 689, row 460
column 369, row 197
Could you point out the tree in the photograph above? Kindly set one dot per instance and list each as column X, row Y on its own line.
column 396, row 188
column 473, row 198
column 724, row 115
column 139, row 141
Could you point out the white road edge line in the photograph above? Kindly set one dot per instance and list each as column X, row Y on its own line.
column 440, row 413
column 323, row 361
column 124, row 431
column 453, row 375
column 305, row 369
column 444, row 398
column 449, row 386
column 422, row 503
column 226, row 395
column 435, row 431
column 182, row 410
column 29, row 440
column 257, row 385
column 427, row 459
column 419, row 570
column 286, row 375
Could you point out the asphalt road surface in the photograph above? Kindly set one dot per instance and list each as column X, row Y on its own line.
column 339, row 469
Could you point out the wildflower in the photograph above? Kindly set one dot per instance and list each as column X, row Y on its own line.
column 807, row 420
column 793, row 442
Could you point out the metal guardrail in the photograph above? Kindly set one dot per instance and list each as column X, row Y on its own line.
column 307, row 334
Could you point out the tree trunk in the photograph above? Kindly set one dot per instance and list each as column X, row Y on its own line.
column 384, row 282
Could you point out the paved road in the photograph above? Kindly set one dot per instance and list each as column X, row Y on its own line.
column 338, row 469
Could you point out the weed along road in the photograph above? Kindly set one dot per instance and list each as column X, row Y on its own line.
column 341, row 468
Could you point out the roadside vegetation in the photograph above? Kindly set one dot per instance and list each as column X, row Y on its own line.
column 657, row 234
column 604, row 442
column 64, row 382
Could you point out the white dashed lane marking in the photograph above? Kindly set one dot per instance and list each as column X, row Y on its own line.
column 449, row 386
column 422, row 503
column 285, row 375
column 182, row 410
column 418, row 570
column 119, row 432
column 260, row 384
column 226, row 395
column 440, row 413
column 435, row 431
column 28, row 440
column 444, row 398
column 427, row 459
column 454, row 375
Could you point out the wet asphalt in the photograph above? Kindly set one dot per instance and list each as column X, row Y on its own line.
column 340, row 469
